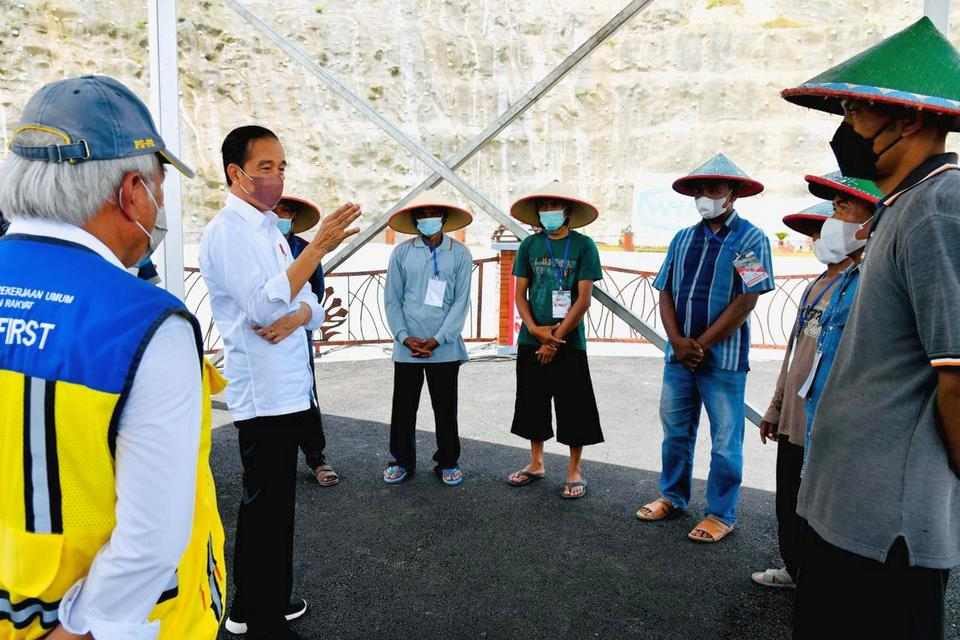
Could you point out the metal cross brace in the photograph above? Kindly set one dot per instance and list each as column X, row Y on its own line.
column 444, row 172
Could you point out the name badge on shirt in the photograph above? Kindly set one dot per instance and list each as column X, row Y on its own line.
column 561, row 304
column 750, row 269
column 436, row 288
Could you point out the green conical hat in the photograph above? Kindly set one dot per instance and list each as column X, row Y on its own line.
column 719, row 167
column 916, row 68
column 828, row 186
column 810, row 220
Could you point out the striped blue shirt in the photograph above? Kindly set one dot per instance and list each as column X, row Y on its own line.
column 699, row 271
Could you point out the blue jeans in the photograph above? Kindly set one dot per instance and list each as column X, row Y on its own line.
column 683, row 394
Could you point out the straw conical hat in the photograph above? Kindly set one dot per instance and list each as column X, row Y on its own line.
column 810, row 220
column 719, row 167
column 402, row 220
column 582, row 212
column 306, row 214
column 916, row 68
column 828, row 186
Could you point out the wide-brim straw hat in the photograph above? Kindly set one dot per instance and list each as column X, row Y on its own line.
column 828, row 186
column 719, row 168
column 916, row 68
column 403, row 222
column 582, row 212
column 810, row 220
column 306, row 214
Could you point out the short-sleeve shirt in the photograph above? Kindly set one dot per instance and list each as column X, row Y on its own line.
column 548, row 274
column 699, row 272
column 878, row 467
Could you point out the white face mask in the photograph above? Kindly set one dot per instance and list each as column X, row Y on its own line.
column 155, row 237
column 837, row 241
column 711, row 208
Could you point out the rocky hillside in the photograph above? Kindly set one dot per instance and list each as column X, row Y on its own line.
column 683, row 79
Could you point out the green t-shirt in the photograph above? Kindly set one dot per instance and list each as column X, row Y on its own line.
column 534, row 262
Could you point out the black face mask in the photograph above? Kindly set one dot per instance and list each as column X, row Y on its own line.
column 855, row 154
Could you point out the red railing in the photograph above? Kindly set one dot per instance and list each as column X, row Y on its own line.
column 356, row 315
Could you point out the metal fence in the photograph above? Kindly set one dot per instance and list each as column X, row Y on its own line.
column 356, row 316
column 770, row 325
column 353, row 301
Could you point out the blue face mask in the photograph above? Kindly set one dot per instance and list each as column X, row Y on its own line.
column 429, row 226
column 285, row 225
column 552, row 220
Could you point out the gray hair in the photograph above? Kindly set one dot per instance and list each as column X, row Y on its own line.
column 63, row 192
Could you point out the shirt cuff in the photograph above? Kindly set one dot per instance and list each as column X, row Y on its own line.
column 317, row 316
column 76, row 619
column 402, row 335
column 278, row 288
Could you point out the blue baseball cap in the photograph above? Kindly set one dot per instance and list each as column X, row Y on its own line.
column 98, row 118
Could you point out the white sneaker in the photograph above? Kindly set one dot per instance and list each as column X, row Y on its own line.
column 238, row 626
column 774, row 578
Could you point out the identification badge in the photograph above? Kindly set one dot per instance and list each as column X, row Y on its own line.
column 750, row 269
column 436, row 288
column 804, row 391
column 561, row 304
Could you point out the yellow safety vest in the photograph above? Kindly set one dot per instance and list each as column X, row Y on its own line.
column 64, row 378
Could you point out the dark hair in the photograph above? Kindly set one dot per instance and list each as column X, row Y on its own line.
column 236, row 146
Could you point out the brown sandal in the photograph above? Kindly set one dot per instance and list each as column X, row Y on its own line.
column 326, row 476
column 714, row 528
column 657, row 510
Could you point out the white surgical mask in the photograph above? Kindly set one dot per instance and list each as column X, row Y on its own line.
column 837, row 241
column 155, row 237
column 711, row 208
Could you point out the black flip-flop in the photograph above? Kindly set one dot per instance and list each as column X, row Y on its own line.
column 570, row 485
column 527, row 478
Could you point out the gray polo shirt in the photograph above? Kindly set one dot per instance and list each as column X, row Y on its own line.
column 878, row 467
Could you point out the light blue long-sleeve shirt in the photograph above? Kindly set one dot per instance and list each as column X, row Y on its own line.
column 408, row 276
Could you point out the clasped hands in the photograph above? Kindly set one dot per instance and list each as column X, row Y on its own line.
column 689, row 352
column 420, row 347
column 549, row 343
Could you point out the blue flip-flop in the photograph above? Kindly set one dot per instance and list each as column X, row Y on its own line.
column 395, row 474
column 451, row 477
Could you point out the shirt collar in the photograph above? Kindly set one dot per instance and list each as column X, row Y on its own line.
column 67, row 232
column 443, row 246
column 249, row 213
column 727, row 226
column 928, row 166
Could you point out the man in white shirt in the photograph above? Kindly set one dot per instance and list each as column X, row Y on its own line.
column 261, row 301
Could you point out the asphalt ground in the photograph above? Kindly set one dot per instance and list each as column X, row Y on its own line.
column 488, row 561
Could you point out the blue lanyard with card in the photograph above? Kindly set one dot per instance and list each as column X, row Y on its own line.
column 436, row 288
column 562, row 298
column 805, row 309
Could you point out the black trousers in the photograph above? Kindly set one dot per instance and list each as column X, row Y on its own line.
column 566, row 381
column 312, row 444
column 314, row 441
column 263, row 553
column 789, row 466
column 442, row 379
column 843, row 595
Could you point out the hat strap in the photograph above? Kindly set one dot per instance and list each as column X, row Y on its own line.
column 57, row 153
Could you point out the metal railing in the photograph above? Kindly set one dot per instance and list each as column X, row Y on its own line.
column 770, row 326
column 353, row 301
column 356, row 315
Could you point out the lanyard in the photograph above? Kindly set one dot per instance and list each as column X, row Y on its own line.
column 433, row 254
column 813, row 305
column 560, row 270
